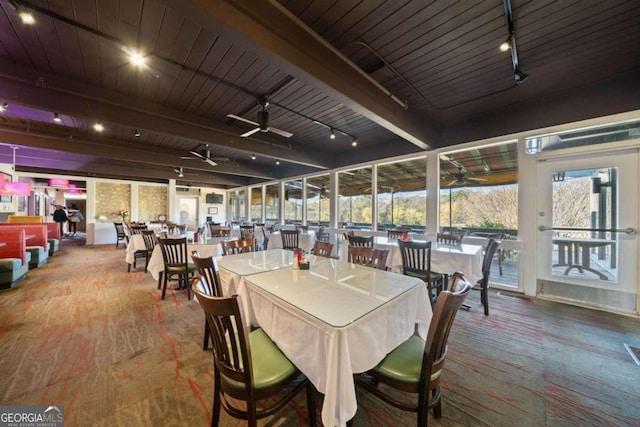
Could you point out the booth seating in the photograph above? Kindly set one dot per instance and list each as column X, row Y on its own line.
column 53, row 227
column 38, row 245
column 14, row 258
column 22, row 219
column 54, row 237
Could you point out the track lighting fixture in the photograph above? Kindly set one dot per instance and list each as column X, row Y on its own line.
column 56, row 118
column 136, row 133
column 179, row 171
column 333, row 134
column 520, row 76
column 98, row 127
column 506, row 45
column 485, row 166
column 253, row 157
column 354, row 143
column 4, row 107
column 277, row 162
column 334, row 130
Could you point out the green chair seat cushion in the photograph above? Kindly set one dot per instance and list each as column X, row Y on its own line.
column 270, row 366
column 404, row 363
column 434, row 276
column 190, row 267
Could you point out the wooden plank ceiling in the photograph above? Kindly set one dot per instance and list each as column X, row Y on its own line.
column 398, row 77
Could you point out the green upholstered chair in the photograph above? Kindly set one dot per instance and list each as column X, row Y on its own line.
column 176, row 264
column 415, row 366
column 241, row 380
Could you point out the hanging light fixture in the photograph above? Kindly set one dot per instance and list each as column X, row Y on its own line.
column 333, row 134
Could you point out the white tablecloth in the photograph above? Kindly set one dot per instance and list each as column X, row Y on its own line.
column 307, row 314
column 306, row 240
column 444, row 259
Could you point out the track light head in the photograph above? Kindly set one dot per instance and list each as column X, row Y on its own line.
column 520, row 76
column 333, row 134
column 56, row 118
column 136, row 133
column 4, row 107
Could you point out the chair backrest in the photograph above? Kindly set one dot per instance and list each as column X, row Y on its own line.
column 304, row 228
column 395, row 234
column 232, row 247
column 247, row 231
column 149, row 237
column 182, row 228
column 174, row 252
column 266, row 232
column 371, row 257
column 208, row 277
column 119, row 229
column 322, row 248
column 444, row 314
column 416, row 257
column 449, row 239
column 137, row 229
column 489, row 252
column 290, row 239
column 360, row 240
column 220, row 232
column 322, row 235
column 231, row 351
column 213, row 226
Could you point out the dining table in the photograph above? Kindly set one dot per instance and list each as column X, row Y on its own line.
column 334, row 320
column 465, row 258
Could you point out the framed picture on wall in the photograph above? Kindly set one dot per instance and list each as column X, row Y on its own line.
column 213, row 210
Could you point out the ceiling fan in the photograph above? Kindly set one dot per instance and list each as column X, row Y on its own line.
column 204, row 154
column 462, row 178
column 263, row 124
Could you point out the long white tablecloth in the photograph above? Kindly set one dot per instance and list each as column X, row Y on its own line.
column 304, row 313
column 444, row 259
column 211, row 248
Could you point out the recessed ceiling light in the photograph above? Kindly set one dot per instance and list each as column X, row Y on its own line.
column 26, row 17
column 98, row 127
column 56, row 118
column 4, row 107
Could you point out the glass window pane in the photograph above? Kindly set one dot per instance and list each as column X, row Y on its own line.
column 354, row 198
column 256, row 204
column 293, row 202
column 318, row 200
column 271, row 203
column 402, row 194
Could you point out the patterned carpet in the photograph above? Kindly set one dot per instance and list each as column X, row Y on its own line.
column 83, row 333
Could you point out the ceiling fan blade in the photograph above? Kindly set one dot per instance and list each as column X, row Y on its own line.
column 211, row 162
column 195, row 153
column 220, row 159
column 280, row 132
column 242, row 119
column 251, row 132
column 451, row 183
column 476, row 179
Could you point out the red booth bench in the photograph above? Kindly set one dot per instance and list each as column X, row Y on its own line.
column 14, row 258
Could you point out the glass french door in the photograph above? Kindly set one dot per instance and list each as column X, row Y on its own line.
column 587, row 230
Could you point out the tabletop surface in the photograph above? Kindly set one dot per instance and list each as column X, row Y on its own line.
column 256, row 262
column 334, row 292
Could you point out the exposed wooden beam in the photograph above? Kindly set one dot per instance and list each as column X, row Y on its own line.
column 268, row 27
column 53, row 93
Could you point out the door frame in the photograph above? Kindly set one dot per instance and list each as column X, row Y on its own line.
column 628, row 162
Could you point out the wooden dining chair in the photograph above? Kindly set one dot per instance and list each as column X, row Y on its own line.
column 368, row 256
column 176, row 264
column 416, row 262
column 322, row 248
column 395, row 234
column 149, row 239
column 207, row 281
column 221, row 232
column 290, row 239
column 232, row 247
column 248, row 367
column 266, row 233
column 449, row 239
column 360, row 240
column 247, row 231
column 213, row 226
column 483, row 284
column 120, row 234
column 416, row 365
